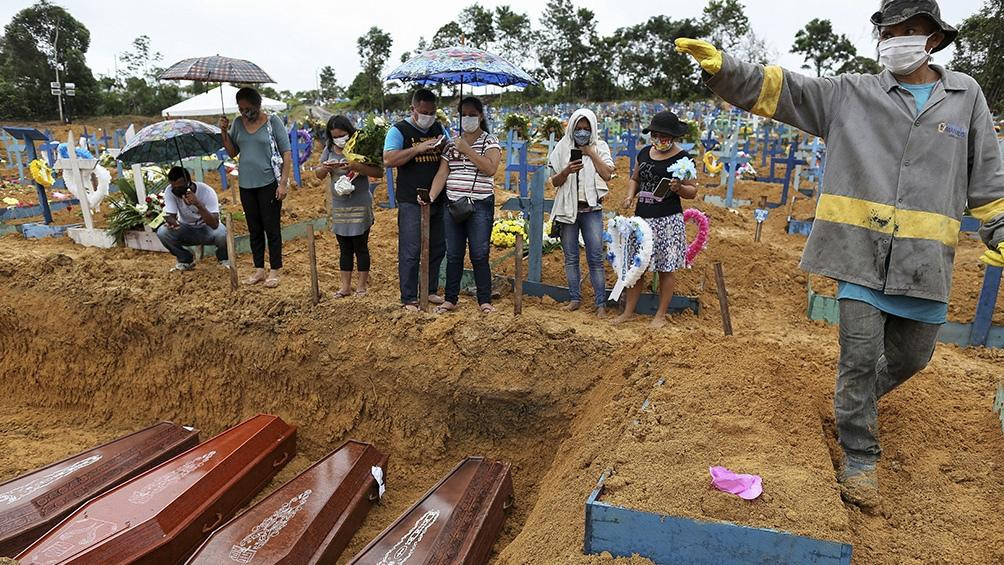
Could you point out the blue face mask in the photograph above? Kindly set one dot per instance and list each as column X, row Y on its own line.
column 582, row 136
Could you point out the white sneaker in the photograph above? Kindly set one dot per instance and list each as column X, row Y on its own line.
column 183, row 267
column 225, row 264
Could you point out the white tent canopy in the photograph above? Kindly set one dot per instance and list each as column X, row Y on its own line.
column 209, row 104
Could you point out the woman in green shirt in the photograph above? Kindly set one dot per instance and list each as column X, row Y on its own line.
column 263, row 175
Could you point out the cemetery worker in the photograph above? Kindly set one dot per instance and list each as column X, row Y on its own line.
column 580, row 187
column 414, row 146
column 467, row 173
column 908, row 150
column 191, row 217
column 661, row 208
column 263, row 175
column 352, row 212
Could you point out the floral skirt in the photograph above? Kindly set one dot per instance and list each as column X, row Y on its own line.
column 669, row 244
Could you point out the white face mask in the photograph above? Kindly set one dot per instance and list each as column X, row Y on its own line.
column 340, row 141
column 905, row 54
column 470, row 124
column 424, row 121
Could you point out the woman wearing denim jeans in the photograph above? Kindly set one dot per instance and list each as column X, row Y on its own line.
column 578, row 203
column 467, row 171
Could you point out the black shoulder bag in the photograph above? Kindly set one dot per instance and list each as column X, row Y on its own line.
column 463, row 208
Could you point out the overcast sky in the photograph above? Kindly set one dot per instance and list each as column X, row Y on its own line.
column 292, row 39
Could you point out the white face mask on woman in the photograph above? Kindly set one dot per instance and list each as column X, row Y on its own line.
column 470, row 124
column 905, row 54
column 340, row 142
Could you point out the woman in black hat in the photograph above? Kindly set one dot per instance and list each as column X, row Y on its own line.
column 661, row 208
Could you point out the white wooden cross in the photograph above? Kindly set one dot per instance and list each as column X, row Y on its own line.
column 77, row 168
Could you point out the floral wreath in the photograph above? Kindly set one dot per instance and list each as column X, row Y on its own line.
column 41, row 173
column 701, row 239
column 306, row 145
column 618, row 237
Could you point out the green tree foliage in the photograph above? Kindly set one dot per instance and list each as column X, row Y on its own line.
column 374, row 50
column 513, row 35
column 447, row 36
column 135, row 89
column 725, row 23
column 860, row 64
column 330, row 90
column 29, row 56
column 646, row 63
column 478, row 26
column 564, row 47
column 978, row 51
column 822, row 49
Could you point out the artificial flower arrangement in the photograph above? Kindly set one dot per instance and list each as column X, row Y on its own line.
column 504, row 232
column 549, row 125
column 366, row 145
column 127, row 213
column 518, row 122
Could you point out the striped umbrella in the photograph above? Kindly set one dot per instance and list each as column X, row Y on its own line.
column 216, row 69
column 163, row 141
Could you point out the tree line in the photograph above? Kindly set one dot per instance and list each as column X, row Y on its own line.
column 563, row 50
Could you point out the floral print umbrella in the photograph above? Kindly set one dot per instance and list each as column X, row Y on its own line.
column 172, row 140
column 461, row 65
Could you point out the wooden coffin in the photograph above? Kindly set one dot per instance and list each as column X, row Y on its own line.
column 162, row 515
column 308, row 520
column 456, row 522
column 33, row 503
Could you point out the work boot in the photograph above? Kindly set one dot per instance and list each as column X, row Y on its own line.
column 859, row 484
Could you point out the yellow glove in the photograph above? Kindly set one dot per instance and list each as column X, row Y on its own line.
column 706, row 54
column 994, row 258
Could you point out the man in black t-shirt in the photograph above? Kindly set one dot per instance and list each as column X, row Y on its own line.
column 414, row 146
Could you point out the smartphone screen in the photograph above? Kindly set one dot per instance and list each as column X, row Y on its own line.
column 576, row 155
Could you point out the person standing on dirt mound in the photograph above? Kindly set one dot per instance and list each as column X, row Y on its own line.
column 414, row 146
column 908, row 150
column 580, row 186
column 263, row 175
column 191, row 217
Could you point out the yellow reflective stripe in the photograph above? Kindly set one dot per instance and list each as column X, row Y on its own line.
column 770, row 92
column 885, row 218
column 988, row 211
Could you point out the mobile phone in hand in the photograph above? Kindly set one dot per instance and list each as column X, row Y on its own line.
column 423, row 193
column 576, row 155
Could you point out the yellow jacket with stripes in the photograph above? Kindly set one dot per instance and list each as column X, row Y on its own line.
column 896, row 183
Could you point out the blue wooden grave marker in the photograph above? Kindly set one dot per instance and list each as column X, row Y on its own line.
column 391, row 196
column 790, row 162
column 29, row 136
column 630, row 149
column 294, row 146
column 731, row 166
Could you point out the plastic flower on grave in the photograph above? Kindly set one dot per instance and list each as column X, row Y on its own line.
column 149, row 200
column 607, row 238
column 141, row 208
column 683, row 169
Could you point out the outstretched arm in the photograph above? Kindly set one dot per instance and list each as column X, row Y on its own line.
column 807, row 103
column 986, row 181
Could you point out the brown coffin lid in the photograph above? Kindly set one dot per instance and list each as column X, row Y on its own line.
column 456, row 522
column 308, row 520
column 33, row 503
column 162, row 515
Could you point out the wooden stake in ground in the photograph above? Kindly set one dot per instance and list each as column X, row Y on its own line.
column 315, row 291
column 231, row 251
column 517, row 287
column 723, row 298
column 423, row 269
column 761, row 217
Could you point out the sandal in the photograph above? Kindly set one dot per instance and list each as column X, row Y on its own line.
column 444, row 309
column 410, row 306
column 342, row 294
column 436, row 299
column 487, row 308
column 256, row 278
column 362, row 292
column 271, row 282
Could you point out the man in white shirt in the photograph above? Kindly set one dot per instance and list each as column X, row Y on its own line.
column 191, row 217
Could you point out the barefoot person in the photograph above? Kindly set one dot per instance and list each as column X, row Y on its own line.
column 467, row 172
column 352, row 213
column 413, row 146
column 580, row 187
column 907, row 151
column 263, row 175
column 191, row 217
column 661, row 208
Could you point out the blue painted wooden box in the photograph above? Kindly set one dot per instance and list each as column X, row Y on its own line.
column 673, row 540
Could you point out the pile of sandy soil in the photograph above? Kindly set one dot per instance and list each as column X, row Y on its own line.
column 97, row 343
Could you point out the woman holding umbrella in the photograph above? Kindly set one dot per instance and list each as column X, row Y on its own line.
column 265, row 163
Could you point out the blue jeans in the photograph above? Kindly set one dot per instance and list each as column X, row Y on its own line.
column 475, row 232
column 409, row 247
column 176, row 240
column 591, row 226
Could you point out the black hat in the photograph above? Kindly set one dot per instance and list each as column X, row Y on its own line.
column 666, row 122
column 898, row 11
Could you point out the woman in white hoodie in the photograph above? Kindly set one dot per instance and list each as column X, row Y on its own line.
column 580, row 187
